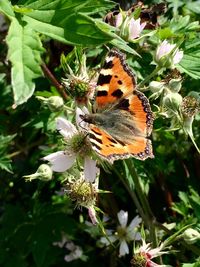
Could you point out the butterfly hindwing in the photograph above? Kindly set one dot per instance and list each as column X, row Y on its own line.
column 111, row 149
column 138, row 106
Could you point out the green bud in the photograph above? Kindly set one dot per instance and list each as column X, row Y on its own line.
column 172, row 101
column 44, row 173
column 55, row 103
column 155, row 86
column 175, row 85
column 191, row 236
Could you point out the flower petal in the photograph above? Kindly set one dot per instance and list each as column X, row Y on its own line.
column 123, row 249
column 65, row 127
column 107, row 240
column 118, row 20
column 59, row 161
column 92, row 215
column 177, row 57
column 90, row 169
column 123, row 217
column 135, row 223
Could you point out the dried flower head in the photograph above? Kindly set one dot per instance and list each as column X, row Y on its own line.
column 84, row 194
column 190, row 106
column 81, row 192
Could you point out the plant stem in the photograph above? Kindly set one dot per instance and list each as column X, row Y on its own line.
column 155, row 71
column 54, row 81
column 149, row 222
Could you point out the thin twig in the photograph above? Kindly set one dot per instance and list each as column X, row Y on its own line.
column 54, row 81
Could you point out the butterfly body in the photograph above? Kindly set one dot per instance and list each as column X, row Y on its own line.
column 122, row 119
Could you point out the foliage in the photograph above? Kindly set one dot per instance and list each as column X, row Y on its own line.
column 51, row 53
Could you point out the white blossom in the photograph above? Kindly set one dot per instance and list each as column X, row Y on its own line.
column 124, row 233
column 63, row 160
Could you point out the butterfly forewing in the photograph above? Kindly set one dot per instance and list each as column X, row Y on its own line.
column 115, row 81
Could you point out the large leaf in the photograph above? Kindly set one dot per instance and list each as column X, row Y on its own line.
column 6, row 8
column 78, row 29
column 190, row 63
column 24, row 50
column 65, row 8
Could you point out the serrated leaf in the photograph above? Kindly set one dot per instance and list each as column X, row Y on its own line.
column 24, row 51
column 194, row 6
column 190, row 63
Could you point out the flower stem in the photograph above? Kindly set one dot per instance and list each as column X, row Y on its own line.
column 149, row 217
column 155, row 71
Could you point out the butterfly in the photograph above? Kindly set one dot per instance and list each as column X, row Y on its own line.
column 122, row 118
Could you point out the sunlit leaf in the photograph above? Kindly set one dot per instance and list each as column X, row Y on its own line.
column 24, row 53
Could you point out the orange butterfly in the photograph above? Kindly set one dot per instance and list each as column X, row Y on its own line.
column 122, row 120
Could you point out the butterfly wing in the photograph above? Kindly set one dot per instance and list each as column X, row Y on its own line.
column 138, row 106
column 111, row 149
column 117, row 94
column 116, row 80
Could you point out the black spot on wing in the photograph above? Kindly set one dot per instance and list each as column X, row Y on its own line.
column 92, row 136
column 117, row 93
column 96, row 132
column 123, row 104
column 119, row 82
column 102, row 93
column 108, row 65
column 96, row 146
column 112, row 140
column 104, row 79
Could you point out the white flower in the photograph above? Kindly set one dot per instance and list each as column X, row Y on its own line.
column 164, row 52
column 124, row 234
column 75, row 251
column 135, row 28
column 63, row 160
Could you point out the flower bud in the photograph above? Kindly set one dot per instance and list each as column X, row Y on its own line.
column 172, row 101
column 167, row 55
column 55, row 103
column 191, row 236
column 130, row 28
column 155, row 86
column 44, row 173
column 175, row 85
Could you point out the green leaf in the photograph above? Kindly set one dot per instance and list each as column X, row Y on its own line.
column 194, row 6
column 24, row 51
column 65, row 8
column 6, row 8
column 5, row 161
column 190, row 62
column 78, row 29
